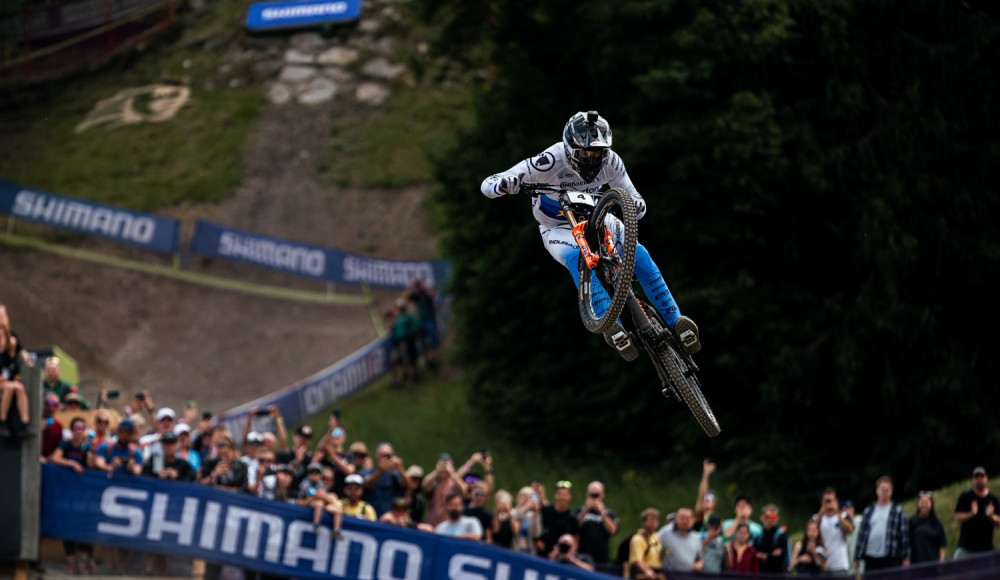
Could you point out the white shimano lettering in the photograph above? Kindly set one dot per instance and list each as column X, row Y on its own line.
column 297, row 259
column 343, row 552
column 112, row 509
column 304, row 11
column 386, row 273
column 210, row 525
column 295, row 551
column 158, row 523
column 23, row 202
column 251, row 542
column 81, row 216
column 458, row 563
column 387, row 558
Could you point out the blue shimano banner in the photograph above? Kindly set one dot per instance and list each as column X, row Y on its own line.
column 199, row 522
column 310, row 396
column 300, row 13
column 327, row 264
column 151, row 232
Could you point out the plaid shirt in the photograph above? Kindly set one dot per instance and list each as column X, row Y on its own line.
column 897, row 533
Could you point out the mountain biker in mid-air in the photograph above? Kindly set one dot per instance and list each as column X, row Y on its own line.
column 584, row 162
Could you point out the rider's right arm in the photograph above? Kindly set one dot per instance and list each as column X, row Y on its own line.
column 491, row 185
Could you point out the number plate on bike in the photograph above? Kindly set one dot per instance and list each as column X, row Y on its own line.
column 575, row 197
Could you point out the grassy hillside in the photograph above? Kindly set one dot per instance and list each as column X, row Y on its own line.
column 435, row 417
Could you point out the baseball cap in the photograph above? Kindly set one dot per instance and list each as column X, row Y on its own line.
column 979, row 471
column 740, row 498
column 315, row 468
column 181, row 428
column 354, row 478
column 126, row 425
column 73, row 397
column 282, row 469
column 415, row 471
column 358, row 447
column 400, row 503
column 714, row 520
column 168, row 437
column 165, row 412
column 254, row 438
column 305, row 431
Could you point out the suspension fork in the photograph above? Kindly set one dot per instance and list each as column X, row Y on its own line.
column 590, row 258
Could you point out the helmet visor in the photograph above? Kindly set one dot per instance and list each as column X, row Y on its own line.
column 591, row 158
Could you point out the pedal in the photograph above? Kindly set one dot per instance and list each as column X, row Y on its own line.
column 621, row 341
column 688, row 338
column 669, row 393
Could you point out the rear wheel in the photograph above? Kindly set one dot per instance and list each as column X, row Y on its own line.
column 614, row 272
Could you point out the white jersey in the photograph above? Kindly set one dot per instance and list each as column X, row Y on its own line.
column 551, row 168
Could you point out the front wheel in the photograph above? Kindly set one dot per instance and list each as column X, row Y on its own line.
column 686, row 385
column 616, row 250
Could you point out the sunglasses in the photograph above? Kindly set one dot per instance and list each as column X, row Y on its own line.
column 479, row 493
column 267, row 461
column 564, row 485
column 79, row 427
column 594, row 495
column 101, row 422
column 362, row 455
column 327, row 478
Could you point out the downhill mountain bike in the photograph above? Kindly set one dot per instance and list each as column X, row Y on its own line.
column 606, row 231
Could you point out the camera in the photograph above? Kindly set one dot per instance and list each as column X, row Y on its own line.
column 563, row 548
column 263, row 412
column 113, row 394
column 140, row 396
column 206, row 416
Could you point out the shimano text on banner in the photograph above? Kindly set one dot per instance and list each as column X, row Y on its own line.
column 199, row 522
column 318, row 263
column 147, row 231
column 300, row 13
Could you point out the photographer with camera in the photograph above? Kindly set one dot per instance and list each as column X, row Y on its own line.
column 386, row 481
column 121, row 454
column 597, row 524
column 564, row 552
column 439, row 485
column 834, row 527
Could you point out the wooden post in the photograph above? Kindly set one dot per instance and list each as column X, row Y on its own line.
column 31, row 468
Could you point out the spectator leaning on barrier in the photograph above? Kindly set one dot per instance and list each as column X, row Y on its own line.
column 565, row 553
column 224, row 471
column 645, row 549
column 835, row 525
column 884, row 534
column 123, row 454
column 809, row 554
column 476, row 508
column 399, row 516
column 386, row 482
column 744, row 511
column 683, row 544
column 72, row 453
column 597, row 524
column 353, row 505
column 772, row 544
column 713, row 549
column 740, row 555
column 167, row 464
column 54, row 384
column 277, row 486
column 704, row 505
column 251, row 449
column 978, row 511
column 52, row 429
column 557, row 519
column 927, row 537
column 457, row 525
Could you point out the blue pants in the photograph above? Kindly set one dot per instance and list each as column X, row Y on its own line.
column 561, row 245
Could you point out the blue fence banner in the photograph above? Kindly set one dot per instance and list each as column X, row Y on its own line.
column 318, row 263
column 199, row 522
column 300, row 13
column 313, row 394
column 147, row 231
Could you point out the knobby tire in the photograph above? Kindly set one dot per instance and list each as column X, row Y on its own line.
column 619, row 291
column 688, row 389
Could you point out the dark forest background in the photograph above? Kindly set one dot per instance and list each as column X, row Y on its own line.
column 821, row 180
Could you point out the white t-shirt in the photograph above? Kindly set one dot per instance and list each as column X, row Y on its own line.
column 683, row 550
column 876, row 534
column 835, row 542
column 464, row 525
column 252, row 466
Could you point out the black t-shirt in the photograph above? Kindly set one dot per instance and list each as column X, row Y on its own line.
column 10, row 365
column 77, row 454
column 926, row 539
column 977, row 532
column 481, row 514
column 184, row 470
column 237, row 476
column 770, row 540
column 338, row 475
column 417, row 507
column 593, row 536
column 287, row 457
column 555, row 524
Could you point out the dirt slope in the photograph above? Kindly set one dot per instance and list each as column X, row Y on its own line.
column 134, row 331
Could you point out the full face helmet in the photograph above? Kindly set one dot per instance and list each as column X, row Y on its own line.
column 587, row 139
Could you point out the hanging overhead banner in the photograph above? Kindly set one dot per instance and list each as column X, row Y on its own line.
column 199, row 522
column 318, row 263
column 151, row 232
column 300, row 13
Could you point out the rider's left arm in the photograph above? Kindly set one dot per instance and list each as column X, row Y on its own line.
column 619, row 178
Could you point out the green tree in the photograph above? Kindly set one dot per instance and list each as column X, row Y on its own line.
column 822, row 200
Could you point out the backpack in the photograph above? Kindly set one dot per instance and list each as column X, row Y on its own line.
column 621, row 556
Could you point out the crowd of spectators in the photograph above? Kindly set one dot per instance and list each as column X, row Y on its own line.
column 412, row 326
column 350, row 482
